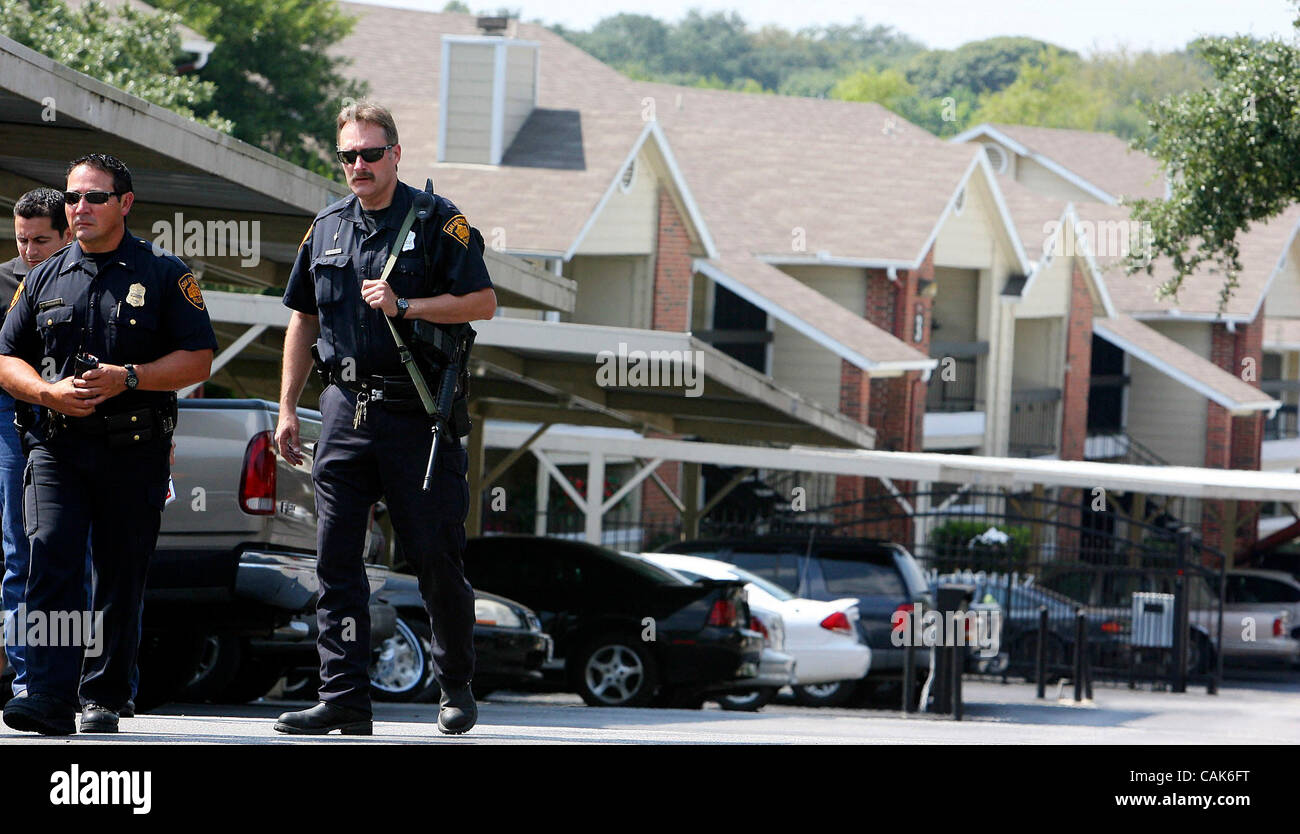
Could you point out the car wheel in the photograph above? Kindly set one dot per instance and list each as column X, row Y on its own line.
column 615, row 671
column 301, row 684
column 167, row 663
column 751, row 701
column 254, row 679
column 833, row 694
column 402, row 668
column 220, row 658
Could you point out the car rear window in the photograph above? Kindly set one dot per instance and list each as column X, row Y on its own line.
column 862, row 579
column 780, row 568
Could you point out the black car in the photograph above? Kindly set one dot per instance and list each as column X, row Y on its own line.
column 509, row 645
column 882, row 576
column 630, row 633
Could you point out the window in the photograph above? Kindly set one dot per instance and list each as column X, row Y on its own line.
column 629, row 177
column 781, row 568
column 862, row 579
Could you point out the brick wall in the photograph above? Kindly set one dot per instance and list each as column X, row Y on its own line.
column 893, row 406
column 1233, row 442
column 672, row 311
column 672, row 287
column 1078, row 369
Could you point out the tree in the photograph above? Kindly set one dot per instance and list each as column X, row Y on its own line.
column 888, row 88
column 979, row 67
column 273, row 73
column 1132, row 83
column 1047, row 93
column 1229, row 150
column 133, row 51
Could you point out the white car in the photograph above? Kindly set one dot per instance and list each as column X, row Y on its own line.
column 822, row 636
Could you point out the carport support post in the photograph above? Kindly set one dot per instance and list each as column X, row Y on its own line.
column 1180, row 610
column 691, row 500
column 595, row 496
column 543, row 500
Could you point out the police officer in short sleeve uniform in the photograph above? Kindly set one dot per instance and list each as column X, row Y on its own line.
column 99, row 442
column 375, row 434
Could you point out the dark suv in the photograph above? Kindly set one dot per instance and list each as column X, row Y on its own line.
column 882, row 576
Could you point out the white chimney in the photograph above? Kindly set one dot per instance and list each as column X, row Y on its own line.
column 488, row 88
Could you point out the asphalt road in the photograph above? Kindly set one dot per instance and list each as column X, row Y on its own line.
column 1255, row 709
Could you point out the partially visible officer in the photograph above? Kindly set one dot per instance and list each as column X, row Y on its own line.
column 40, row 229
column 98, row 453
column 375, row 436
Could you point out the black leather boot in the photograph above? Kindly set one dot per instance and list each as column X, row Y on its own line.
column 97, row 719
column 324, row 718
column 458, row 712
column 41, row 714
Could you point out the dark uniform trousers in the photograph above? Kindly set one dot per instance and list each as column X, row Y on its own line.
column 353, row 468
column 73, row 484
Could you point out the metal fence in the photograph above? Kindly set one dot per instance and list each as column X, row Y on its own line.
column 1023, row 552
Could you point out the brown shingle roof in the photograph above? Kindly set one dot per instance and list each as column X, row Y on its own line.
column 803, row 308
column 1100, row 158
column 1181, row 364
column 1262, row 247
column 1281, row 334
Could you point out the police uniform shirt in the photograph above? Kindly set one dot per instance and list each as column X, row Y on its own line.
column 12, row 274
column 339, row 252
column 130, row 306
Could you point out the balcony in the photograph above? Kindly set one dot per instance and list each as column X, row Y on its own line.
column 954, row 414
column 1035, row 421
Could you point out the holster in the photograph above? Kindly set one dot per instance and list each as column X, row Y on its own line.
column 322, row 370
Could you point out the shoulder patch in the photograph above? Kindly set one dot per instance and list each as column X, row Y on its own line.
column 190, row 289
column 308, row 235
column 17, row 294
column 458, row 227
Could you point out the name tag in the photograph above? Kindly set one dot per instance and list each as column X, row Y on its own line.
column 45, row 305
column 333, row 251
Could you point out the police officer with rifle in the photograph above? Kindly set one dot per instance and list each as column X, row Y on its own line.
column 382, row 291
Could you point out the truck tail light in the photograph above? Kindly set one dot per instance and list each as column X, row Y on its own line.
column 1279, row 627
column 257, row 481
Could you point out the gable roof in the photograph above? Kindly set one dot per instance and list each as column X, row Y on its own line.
column 814, row 315
column 1263, row 249
column 1100, row 163
column 1182, row 365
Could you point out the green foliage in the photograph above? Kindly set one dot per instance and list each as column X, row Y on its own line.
column 978, row 68
column 134, row 51
column 273, row 74
column 1047, row 92
column 1231, row 150
column 955, row 545
column 1133, row 83
column 719, row 50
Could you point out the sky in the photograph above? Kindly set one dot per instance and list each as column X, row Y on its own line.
column 1159, row 25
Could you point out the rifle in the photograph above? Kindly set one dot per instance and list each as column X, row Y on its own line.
column 450, row 343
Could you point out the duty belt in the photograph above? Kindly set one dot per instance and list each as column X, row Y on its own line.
column 121, row 429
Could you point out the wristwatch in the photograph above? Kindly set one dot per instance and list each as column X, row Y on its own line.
column 131, row 379
column 402, row 306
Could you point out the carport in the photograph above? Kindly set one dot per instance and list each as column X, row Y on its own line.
column 195, row 188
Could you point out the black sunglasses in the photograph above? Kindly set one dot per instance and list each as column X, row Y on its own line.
column 368, row 154
column 96, row 197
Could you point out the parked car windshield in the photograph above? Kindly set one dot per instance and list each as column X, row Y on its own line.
column 854, row 578
column 771, row 587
